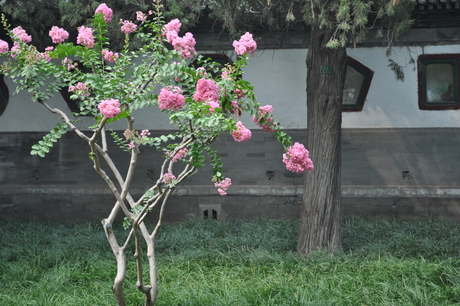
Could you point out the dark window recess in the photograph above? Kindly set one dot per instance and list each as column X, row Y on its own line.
column 4, row 95
column 357, row 83
column 438, row 81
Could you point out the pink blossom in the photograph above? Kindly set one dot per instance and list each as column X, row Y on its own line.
column 85, row 37
column 241, row 133
column 141, row 16
column 171, row 97
column 179, row 155
column 201, row 71
column 236, row 108
column 225, row 75
column 109, row 108
column 131, row 145
column 109, row 55
column 3, row 46
column 212, row 105
column 185, row 45
column 297, row 159
column 21, row 34
column 173, row 26
column 81, row 89
column 169, row 177
column 128, row 27
column 58, row 35
column 128, row 134
column 106, row 11
column 245, row 45
column 267, row 124
column 45, row 56
column 49, row 48
column 239, row 93
column 223, row 185
column 206, row 90
column 145, row 133
column 15, row 50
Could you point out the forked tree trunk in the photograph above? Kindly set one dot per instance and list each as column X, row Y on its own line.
column 320, row 225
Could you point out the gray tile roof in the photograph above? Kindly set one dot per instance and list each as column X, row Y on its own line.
column 437, row 4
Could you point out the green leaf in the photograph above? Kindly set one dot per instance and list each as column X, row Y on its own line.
column 41, row 153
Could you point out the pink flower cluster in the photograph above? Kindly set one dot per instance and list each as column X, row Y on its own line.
column 268, row 120
column 179, row 155
column 128, row 134
column 212, row 105
column 128, row 27
column 297, row 159
column 106, row 11
column 172, row 29
column 109, row 55
column 81, row 89
column 245, row 45
column 206, row 90
column 58, row 35
column 15, row 50
column 140, row 16
column 223, row 185
column 145, row 133
column 185, row 45
column 109, row 108
column 236, row 108
column 171, row 97
column 241, row 133
column 21, row 34
column 3, row 46
column 224, row 75
column 85, row 37
column 239, row 93
column 169, row 177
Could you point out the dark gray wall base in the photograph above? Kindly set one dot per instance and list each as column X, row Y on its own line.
column 395, row 172
column 74, row 204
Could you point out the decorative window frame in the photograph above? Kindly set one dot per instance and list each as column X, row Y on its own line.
column 4, row 95
column 367, row 75
column 423, row 62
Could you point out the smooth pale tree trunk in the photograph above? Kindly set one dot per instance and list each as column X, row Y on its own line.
column 320, row 225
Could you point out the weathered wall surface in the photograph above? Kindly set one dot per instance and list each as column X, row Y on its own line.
column 279, row 79
column 398, row 172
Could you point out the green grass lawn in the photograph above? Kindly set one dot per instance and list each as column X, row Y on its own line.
column 237, row 263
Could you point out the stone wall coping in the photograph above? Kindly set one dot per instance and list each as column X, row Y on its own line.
column 278, row 191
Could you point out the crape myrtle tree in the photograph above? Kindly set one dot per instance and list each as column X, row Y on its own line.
column 200, row 102
column 332, row 25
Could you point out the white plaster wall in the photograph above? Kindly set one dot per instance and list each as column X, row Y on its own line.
column 279, row 79
column 391, row 103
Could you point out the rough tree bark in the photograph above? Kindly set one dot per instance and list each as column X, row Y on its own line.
column 320, row 227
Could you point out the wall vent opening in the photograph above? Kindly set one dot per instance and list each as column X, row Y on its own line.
column 210, row 211
column 405, row 175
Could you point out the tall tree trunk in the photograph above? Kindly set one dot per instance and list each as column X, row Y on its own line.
column 320, row 225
